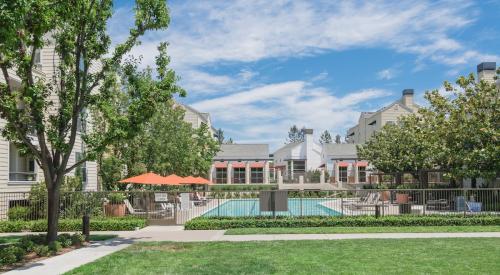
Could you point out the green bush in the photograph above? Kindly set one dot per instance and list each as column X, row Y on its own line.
column 19, row 213
column 116, row 198
column 55, row 247
column 7, row 255
column 217, row 223
column 26, row 244
column 64, row 239
column 77, row 239
column 98, row 224
column 41, row 250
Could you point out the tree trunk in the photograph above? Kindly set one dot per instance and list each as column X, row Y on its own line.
column 52, row 213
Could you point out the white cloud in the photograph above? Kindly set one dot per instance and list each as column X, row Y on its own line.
column 386, row 74
column 319, row 77
column 266, row 112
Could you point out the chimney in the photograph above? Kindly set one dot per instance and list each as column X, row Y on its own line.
column 486, row 71
column 309, row 146
column 408, row 97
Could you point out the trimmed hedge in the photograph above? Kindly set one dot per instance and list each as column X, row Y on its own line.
column 218, row 223
column 98, row 224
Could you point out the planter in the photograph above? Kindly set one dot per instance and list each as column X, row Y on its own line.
column 385, row 195
column 114, row 210
column 402, row 198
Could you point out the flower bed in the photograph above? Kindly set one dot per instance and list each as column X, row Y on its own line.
column 218, row 223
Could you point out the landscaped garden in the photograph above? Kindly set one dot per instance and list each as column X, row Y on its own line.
column 382, row 256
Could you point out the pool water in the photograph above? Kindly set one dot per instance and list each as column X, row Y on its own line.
column 250, row 207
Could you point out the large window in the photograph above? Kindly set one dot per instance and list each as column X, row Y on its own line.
column 221, row 175
column 239, row 175
column 21, row 167
column 343, row 174
column 362, row 174
column 257, row 175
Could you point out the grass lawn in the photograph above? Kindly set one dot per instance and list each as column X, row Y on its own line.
column 15, row 238
column 344, row 230
column 368, row 256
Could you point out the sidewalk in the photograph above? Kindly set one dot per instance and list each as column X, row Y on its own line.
column 78, row 257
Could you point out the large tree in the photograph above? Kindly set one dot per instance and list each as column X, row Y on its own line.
column 326, row 137
column 85, row 78
column 459, row 133
column 295, row 135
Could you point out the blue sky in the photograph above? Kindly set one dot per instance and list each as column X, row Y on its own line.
column 259, row 67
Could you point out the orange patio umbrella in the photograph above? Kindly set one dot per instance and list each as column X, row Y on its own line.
column 203, row 181
column 173, row 179
column 196, row 180
column 149, row 178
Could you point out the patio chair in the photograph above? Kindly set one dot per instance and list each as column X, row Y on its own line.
column 362, row 199
column 198, row 200
column 136, row 211
column 372, row 201
column 440, row 204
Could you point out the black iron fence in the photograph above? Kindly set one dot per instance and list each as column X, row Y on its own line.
column 179, row 207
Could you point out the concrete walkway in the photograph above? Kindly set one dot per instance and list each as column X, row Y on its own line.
column 78, row 257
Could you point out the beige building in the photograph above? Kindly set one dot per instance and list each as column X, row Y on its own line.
column 370, row 122
column 17, row 172
column 196, row 118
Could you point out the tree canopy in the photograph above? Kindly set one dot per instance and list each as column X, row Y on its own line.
column 325, row 137
column 295, row 135
column 460, row 133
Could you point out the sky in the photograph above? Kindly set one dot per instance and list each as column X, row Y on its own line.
column 259, row 67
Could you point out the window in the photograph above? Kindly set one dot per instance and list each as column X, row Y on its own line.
column 372, row 123
column 257, row 175
column 221, row 175
column 21, row 167
column 239, row 175
column 343, row 174
column 362, row 174
column 81, row 171
column 299, row 166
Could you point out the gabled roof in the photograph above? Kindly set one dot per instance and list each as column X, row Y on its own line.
column 243, row 152
column 340, row 151
column 288, row 146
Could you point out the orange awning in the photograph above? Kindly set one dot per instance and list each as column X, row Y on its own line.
column 257, row 165
column 238, row 164
column 220, row 164
column 147, row 178
column 342, row 164
column 362, row 163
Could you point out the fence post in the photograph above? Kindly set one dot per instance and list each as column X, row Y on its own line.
column 86, row 227
column 465, row 201
column 342, row 205
column 424, row 202
column 301, row 205
column 218, row 204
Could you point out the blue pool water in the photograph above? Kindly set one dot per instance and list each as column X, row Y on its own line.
column 250, row 207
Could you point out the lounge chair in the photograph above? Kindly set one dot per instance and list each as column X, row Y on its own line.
column 358, row 200
column 372, row 201
column 440, row 204
column 136, row 211
column 199, row 200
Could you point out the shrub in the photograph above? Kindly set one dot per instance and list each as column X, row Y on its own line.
column 98, row 224
column 55, row 246
column 19, row 213
column 116, row 198
column 26, row 243
column 7, row 255
column 41, row 250
column 64, row 239
column 77, row 239
column 212, row 223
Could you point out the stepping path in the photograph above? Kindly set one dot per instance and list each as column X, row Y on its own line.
column 78, row 257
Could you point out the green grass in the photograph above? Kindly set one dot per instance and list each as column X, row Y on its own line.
column 12, row 239
column 367, row 256
column 346, row 230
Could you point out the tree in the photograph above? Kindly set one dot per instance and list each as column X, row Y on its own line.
column 220, row 136
column 460, row 134
column 325, row 138
column 401, row 147
column 295, row 135
column 338, row 139
column 230, row 141
column 166, row 144
column 85, row 79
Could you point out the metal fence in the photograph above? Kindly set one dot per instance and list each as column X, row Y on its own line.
column 178, row 207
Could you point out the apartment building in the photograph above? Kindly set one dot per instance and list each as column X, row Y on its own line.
column 343, row 165
column 370, row 122
column 196, row 118
column 19, row 172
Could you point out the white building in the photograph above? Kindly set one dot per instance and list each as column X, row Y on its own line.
column 241, row 164
column 295, row 159
column 196, row 118
column 370, row 122
column 343, row 165
column 17, row 172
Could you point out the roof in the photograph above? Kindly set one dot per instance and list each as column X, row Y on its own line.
column 340, row 151
column 243, row 152
column 288, row 146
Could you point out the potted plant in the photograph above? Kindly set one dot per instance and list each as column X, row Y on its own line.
column 116, row 205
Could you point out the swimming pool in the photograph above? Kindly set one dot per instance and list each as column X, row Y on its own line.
column 250, row 207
